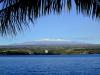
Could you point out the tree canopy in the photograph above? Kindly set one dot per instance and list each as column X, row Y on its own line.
column 16, row 14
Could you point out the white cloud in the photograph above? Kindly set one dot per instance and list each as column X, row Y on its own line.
column 48, row 39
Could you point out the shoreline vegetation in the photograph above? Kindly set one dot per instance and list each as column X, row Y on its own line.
column 48, row 51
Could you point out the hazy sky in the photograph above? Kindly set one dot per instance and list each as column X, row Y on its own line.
column 65, row 26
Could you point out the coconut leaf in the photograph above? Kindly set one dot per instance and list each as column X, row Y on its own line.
column 16, row 14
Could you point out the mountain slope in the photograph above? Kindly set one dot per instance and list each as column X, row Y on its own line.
column 51, row 43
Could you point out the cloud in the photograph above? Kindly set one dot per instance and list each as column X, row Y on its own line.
column 49, row 39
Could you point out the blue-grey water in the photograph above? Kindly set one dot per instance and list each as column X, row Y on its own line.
column 50, row 65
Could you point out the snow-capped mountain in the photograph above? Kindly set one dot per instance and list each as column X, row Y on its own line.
column 52, row 42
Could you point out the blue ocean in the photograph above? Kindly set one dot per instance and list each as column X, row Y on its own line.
column 50, row 65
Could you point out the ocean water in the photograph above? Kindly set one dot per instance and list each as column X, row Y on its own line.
column 50, row 65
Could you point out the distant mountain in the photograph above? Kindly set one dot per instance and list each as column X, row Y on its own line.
column 51, row 43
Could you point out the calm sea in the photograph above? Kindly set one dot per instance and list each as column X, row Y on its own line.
column 50, row 65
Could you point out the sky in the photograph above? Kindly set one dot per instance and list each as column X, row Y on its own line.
column 65, row 26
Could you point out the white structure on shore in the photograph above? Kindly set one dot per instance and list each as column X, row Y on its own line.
column 46, row 51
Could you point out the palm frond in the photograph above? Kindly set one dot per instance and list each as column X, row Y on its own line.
column 88, row 7
column 16, row 14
